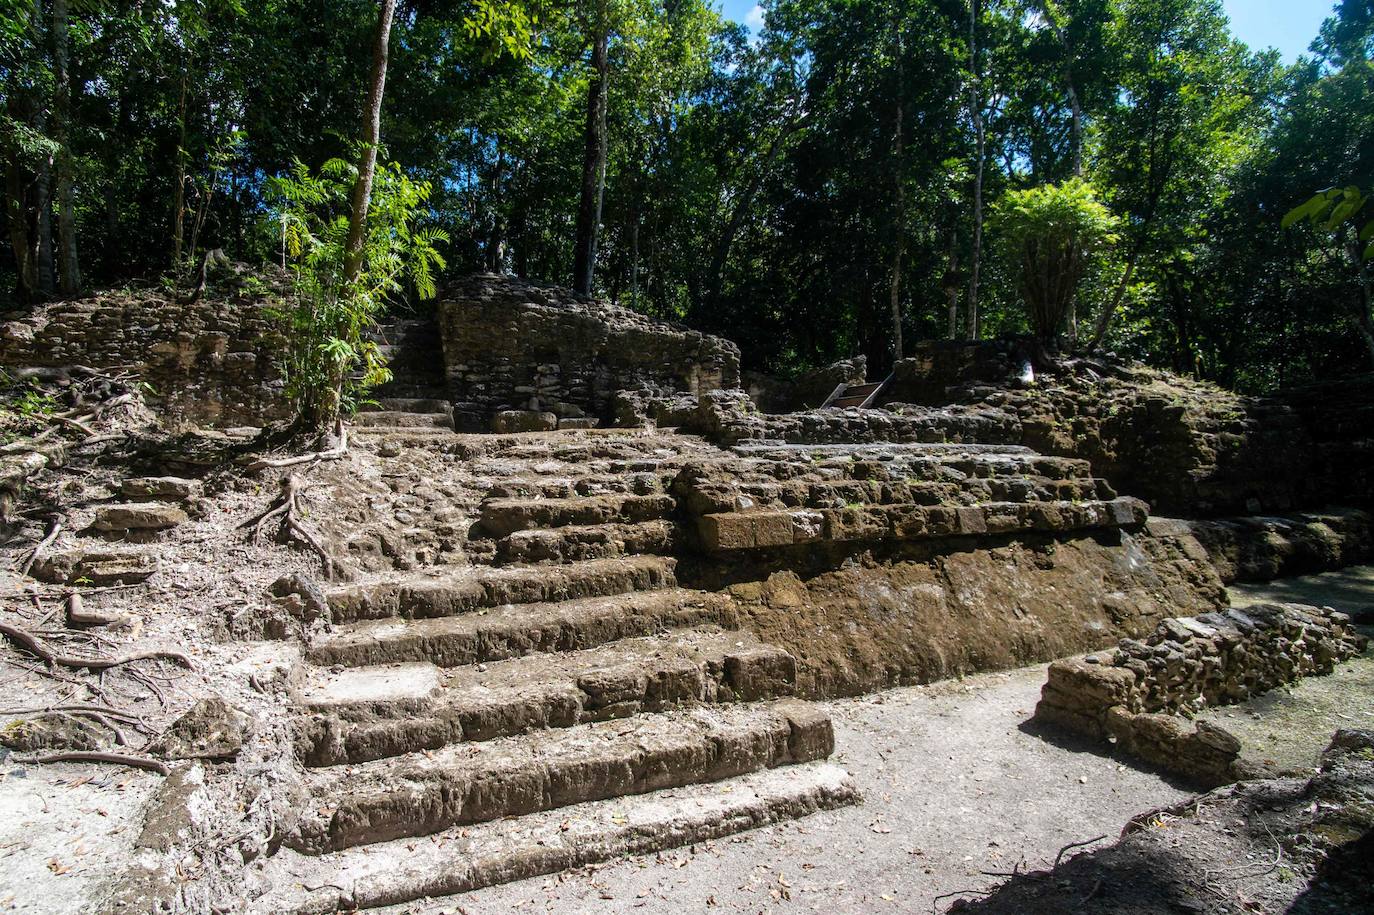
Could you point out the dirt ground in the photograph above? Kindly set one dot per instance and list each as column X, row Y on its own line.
column 954, row 788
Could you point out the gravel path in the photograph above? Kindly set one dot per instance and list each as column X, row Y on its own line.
column 953, row 787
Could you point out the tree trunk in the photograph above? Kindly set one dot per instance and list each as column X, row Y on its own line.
column 593, row 161
column 951, row 285
column 1104, row 320
column 21, row 238
column 1365, row 319
column 371, row 136
column 971, row 321
column 1075, row 107
column 496, row 239
column 179, row 190
column 1077, row 128
column 68, row 266
column 898, row 220
column 43, row 203
column 634, row 259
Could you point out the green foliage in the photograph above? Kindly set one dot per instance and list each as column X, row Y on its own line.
column 1333, row 208
column 1054, row 235
column 752, row 180
column 24, row 407
column 331, row 363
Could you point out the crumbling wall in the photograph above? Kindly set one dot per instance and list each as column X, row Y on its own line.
column 212, row 362
column 1265, row 547
column 510, row 345
column 1137, row 693
column 1188, row 448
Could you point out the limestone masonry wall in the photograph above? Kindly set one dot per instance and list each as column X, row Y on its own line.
column 510, row 345
column 210, row 363
column 1136, row 693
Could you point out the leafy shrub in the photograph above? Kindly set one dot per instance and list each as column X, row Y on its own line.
column 1052, row 234
column 330, row 364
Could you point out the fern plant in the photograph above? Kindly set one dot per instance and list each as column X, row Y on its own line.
column 330, row 363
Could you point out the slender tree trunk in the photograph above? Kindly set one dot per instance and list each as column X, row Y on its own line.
column 951, row 285
column 971, row 321
column 898, row 220
column 1077, row 125
column 21, row 239
column 496, row 240
column 593, row 162
column 1365, row 319
column 179, row 191
column 46, row 264
column 634, row 258
column 371, row 136
column 1104, row 320
column 68, row 266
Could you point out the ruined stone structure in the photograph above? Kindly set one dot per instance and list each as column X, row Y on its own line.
column 213, row 362
column 510, row 345
column 560, row 643
column 1138, row 694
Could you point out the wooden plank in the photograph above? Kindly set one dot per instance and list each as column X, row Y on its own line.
column 834, row 395
column 877, row 389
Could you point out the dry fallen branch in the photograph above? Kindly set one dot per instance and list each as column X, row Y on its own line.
column 339, row 449
column 31, row 644
column 1072, row 845
column 118, row 759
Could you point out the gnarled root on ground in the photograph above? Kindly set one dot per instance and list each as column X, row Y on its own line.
column 286, row 512
column 332, row 453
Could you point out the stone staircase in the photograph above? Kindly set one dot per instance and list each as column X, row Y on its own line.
column 559, row 701
column 854, row 395
column 417, row 396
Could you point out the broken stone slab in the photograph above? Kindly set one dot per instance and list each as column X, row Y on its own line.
column 138, row 516
column 176, row 489
column 51, row 731
column 210, row 729
column 578, row 422
column 112, row 566
column 524, row 421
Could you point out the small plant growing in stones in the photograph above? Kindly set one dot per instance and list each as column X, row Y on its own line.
column 330, row 363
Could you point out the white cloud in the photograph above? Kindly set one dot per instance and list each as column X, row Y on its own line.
column 754, row 18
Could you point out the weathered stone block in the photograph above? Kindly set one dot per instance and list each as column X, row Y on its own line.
column 174, row 488
column 524, row 421
column 140, row 516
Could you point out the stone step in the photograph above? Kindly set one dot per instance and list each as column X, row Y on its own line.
column 495, row 635
column 501, row 517
column 471, row 857
column 397, row 419
column 365, row 713
column 409, row 405
column 640, row 483
column 579, row 542
column 772, row 528
column 431, row 595
column 423, row 793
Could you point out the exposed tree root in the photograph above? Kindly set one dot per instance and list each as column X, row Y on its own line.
column 338, row 450
column 118, row 759
column 286, row 512
column 43, row 544
column 31, row 644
